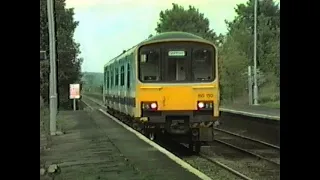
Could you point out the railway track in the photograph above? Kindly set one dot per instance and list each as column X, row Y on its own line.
column 240, row 159
column 201, row 161
column 227, row 153
column 254, row 147
column 233, row 171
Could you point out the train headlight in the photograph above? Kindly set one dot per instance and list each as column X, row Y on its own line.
column 153, row 105
column 200, row 105
column 205, row 105
column 149, row 105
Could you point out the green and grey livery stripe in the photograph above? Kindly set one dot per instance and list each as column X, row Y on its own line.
column 129, row 101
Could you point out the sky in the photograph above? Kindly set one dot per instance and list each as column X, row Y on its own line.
column 107, row 27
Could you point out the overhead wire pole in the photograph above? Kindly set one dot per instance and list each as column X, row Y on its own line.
column 255, row 87
column 53, row 72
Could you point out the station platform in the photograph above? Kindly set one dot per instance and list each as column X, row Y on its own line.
column 253, row 111
column 96, row 147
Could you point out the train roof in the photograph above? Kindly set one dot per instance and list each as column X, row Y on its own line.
column 160, row 37
column 125, row 53
column 173, row 35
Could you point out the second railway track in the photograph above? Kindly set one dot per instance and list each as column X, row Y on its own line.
column 251, row 159
column 257, row 148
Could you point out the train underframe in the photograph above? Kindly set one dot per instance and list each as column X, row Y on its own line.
column 186, row 127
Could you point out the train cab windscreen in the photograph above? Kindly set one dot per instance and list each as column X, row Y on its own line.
column 185, row 63
column 149, row 66
column 202, row 65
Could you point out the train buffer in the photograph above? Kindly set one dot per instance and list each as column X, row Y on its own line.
column 95, row 147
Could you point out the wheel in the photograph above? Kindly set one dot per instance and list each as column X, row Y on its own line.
column 190, row 147
column 150, row 133
column 151, row 136
column 135, row 126
column 197, row 147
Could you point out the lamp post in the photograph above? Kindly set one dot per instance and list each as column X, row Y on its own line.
column 53, row 72
column 255, row 87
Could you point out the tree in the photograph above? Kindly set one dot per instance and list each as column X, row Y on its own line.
column 232, row 68
column 68, row 63
column 190, row 20
column 240, row 32
column 89, row 79
column 268, row 29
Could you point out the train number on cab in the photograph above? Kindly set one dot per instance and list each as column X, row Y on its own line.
column 205, row 95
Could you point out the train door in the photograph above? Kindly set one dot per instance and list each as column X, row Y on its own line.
column 177, row 66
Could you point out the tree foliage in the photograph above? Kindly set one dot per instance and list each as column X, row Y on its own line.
column 186, row 20
column 241, row 30
column 68, row 63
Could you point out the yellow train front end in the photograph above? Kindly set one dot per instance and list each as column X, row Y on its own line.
column 177, row 90
column 180, row 109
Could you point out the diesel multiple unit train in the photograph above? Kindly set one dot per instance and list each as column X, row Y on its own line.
column 167, row 84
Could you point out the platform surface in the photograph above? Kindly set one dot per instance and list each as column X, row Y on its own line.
column 95, row 147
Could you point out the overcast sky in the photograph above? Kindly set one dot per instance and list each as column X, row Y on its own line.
column 109, row 26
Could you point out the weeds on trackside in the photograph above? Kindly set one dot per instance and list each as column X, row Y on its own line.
column 45, row 125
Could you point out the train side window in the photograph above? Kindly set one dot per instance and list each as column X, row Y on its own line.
column 128, row 76
column 108, row 82
column 122, row 76
column 117, row 77
column 111, row 77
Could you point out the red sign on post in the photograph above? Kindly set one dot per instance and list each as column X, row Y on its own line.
column 74, row 91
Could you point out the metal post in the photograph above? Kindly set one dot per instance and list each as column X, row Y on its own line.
column 53, row 73
column 250, row 84
column 255, row 88
column 74, row 105
column 43, row 55
column 103, row 86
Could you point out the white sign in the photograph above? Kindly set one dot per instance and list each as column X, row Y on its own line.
column 74, row 91
column 143, row 58
column 176, row 53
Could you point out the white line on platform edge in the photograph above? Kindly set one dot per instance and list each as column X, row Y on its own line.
column 156, row 146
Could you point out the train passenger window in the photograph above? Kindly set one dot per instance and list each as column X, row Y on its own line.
column 122, row 76
column 128, row 76
column 149, row 66
column 111, row 77
column 108, row 82
column 202, row 65
column 117, row 77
